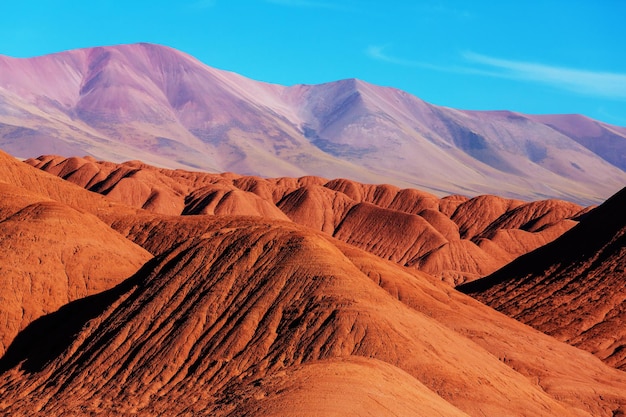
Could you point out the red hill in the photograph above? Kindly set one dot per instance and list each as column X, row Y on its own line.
column 455, row 238
column 572, row 288
column 220, row 323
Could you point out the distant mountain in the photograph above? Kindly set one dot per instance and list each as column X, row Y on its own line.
column 164, row 107
column 574, row 288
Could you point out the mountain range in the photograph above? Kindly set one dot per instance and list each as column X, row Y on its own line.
column 112, row 309
column 181, row 240
column 155, row 104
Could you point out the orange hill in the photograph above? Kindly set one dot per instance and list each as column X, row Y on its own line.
column 455, row 238
column 52, row 253
column 573, row 288
column 252, row 315
column 244, row 307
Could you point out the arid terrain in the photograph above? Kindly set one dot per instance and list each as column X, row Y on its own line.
column 156, row 104
column 134, row 290
column 455, row 238
column 572, row 289
column 179, row 240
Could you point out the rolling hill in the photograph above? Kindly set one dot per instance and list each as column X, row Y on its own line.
column 573, row 288
column 227, row 247
column 236, row 315
column 454, row 238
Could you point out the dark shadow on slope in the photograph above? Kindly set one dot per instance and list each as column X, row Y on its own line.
column 607, row 145
column 595, row 230
column 47, row 337
column 474, row 144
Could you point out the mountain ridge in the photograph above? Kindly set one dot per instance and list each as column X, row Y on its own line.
column 162, row 106
column 583, row 268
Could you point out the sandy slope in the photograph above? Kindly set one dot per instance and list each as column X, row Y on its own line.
column 455, row 238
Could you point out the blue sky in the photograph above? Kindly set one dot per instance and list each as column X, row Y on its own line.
column 550, row 56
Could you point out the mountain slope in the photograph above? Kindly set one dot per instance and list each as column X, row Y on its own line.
column 261, row 316
column 53, row 252
column 455, row 238
column 218, row 324
column 572, row 288
column 598, row 137
column 159, row 105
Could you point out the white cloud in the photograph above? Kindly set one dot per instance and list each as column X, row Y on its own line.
column 378, row 53
column 594, row 83
column 598, row 83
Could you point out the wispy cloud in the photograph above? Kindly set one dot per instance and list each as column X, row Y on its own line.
column 611, row 117
column 312, row 4
column 598, row 83
column 379, row 53
column 595, row 83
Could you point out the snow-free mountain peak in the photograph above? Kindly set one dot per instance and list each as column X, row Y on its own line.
column 162, row 106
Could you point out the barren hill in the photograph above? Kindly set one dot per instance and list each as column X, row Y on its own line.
column 455, row 238
column 573, row 288
column 259, row 317
column 257, row 314
column 164, row 107
column 51, row 253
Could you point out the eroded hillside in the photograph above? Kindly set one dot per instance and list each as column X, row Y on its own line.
column 455, row 238
column 259, row 315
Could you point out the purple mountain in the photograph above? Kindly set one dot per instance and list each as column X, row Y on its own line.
column 166, row 108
